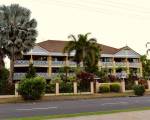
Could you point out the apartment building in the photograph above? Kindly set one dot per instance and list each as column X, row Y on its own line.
column 47, row 57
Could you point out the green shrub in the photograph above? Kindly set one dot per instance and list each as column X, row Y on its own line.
column 114, row 87
column 66, row 87
column 139, row 90
column 104, row 88
column 32, row 88
column 50, row 88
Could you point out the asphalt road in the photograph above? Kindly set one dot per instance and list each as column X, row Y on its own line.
column 67, row 107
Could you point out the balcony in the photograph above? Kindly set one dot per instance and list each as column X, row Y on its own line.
column 21, row 63
column 19, row 76
column 107, row 64
column 40, row 63
column 72, row 64
column 58, row 63
column 120, row 64
column 134, row 65
column 69, row 74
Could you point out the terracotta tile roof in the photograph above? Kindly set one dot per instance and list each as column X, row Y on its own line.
column 58, row 45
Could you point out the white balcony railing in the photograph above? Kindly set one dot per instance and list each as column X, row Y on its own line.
column 58, row 63
column 135, row 65
column 22, row 62
column 69, row 74
column 107, row 64
column 40, row 63
column 71, row 63
column 19, row 76
column 120, row 64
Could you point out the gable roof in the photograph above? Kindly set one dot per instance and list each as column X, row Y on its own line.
column 58, row 45
column 126, row 51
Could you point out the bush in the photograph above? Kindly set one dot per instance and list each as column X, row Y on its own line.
column 5, row 87
column 139, row 90
column 32, row 88
column 50, row 88
column 66, row 87
column 104, row 89
column 114, row 87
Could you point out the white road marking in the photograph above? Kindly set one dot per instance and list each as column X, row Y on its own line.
column 115, row 103
column 27, row 109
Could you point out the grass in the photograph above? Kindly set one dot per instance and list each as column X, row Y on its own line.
column 70, row 97
column 66, row 97
column 81, row 114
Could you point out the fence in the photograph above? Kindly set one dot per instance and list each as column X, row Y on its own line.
column 92, row 87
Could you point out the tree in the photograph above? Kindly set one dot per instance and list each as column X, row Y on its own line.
column 86, row 50
column 18, row 31
column 148, row 49
column 1, row 53
column 31, row 72
column 145, row 66
column 3, row 81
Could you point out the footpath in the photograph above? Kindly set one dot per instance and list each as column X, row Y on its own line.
column 135, row 115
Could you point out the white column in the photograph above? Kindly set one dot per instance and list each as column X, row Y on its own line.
column 97, row 86
column 16, row 88
column 75, row 89
column 57, row 88
column 92, row 87
column 122, row 85
column 148, row 82
column 136, row 82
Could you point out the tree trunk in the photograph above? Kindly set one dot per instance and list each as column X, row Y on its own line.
column 11, row 74
column 1, row 60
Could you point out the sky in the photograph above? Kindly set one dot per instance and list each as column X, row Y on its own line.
column 112, row 22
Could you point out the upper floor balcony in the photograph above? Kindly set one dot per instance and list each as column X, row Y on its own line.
column 19, row 76
column 107, row 64
column 58, row 63
column 21, row 63
column 36, row 63
column 72, row 64
column 135, row 65
column 68, row 74
column 120, row 64
column 40, row 63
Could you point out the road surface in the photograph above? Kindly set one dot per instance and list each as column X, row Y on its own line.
column 69, row 107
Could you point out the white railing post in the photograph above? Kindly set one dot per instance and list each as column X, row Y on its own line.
column 57, row 88
column 148, row 82
column 122, row 85
column 92, row 87
column 75, row 89
column 16, row 88
column 136, row 82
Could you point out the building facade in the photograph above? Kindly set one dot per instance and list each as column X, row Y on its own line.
column 47, row 58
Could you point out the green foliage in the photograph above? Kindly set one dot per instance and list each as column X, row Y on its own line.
column 86, row 50
column 146, row 66
column 139, row 90
column 56, row 79
column 32, row 88
column 50, row 88
column 31, row 72
column 17, row 32
column 114, row 87
column 66, row 87
column 129, row 82
column 104, row 88
column 71, row 78
column 3, row 81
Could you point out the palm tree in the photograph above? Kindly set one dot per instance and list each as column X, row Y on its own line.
column 148, row 49
column 85, row 49
column 18, row 31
